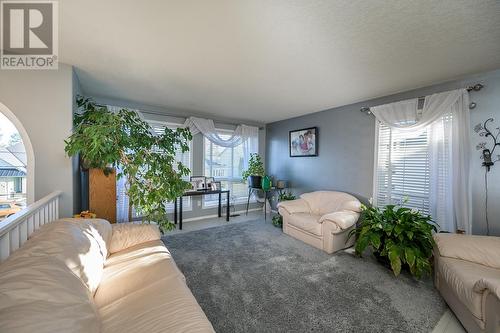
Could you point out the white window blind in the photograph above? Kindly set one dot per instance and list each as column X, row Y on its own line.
column 403, row 170
column 415, row 166
column 185, row 158
column 226, row 166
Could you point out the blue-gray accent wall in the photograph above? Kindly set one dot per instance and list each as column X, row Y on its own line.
column 346, row 148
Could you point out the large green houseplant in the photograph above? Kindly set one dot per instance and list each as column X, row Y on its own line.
column 400, row 236
column 106, row 139
column 255, row 171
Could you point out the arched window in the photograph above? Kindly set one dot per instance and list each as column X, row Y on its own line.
column 16, row 165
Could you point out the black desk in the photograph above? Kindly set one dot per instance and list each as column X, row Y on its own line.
column 203, row 192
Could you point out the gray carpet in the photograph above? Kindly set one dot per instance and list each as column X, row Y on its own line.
column 250, row 277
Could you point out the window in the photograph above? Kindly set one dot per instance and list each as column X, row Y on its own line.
column 402, row 168
column 185, row 158
column 414, row 166
column 226, row 166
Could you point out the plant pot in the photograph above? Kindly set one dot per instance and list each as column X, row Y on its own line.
column 266, row 183
column 255, row 181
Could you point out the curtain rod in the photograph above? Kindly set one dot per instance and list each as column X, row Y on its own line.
column 158, row 113
column 476, row 87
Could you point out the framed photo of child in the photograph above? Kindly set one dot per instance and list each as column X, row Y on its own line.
column 304, row 142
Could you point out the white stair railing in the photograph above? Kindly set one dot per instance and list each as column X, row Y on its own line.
column 16, row 229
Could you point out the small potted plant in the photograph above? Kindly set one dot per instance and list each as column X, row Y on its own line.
column 400, row 237
column 283, row 196
column 255, row 171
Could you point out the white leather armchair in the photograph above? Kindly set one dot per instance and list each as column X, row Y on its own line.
column 467, row 274
column 322, row 219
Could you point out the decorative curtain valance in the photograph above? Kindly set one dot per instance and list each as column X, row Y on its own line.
column 446, row 118
column 243, row 134
column 207, row 127
column 405, row 114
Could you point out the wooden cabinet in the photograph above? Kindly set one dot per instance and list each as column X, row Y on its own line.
column 102, row 194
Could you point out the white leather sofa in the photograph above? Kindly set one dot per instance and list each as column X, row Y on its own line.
column 322, row 219
column 467, row 274
column 76, row 275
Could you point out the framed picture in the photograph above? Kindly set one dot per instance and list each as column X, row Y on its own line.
column 303, row 142
column 216, row 186
column 199, row 183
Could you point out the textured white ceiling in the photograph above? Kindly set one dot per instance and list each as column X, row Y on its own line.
column 266, row 60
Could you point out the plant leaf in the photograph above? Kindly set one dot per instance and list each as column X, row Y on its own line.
column 395, row 261
column 410, row 256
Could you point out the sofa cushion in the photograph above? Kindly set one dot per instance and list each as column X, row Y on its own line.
column 306, row 222
column 461, row 276
column 482, row 250
column 131, row 269
column 324, row 202
column 41, row 294
column 126, row 235
column 166, row 305
column 103, row 229
column 344, row 219
column 294, row 206
column 72, row 242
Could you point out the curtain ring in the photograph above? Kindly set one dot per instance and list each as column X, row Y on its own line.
column 472, row 105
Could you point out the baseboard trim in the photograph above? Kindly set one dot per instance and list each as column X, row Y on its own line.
column 215, row 215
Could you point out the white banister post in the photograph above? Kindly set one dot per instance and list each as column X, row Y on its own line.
column 23, row 232
column 4, row 246
column 36, row 218
column 14, row 239
column 31, row 226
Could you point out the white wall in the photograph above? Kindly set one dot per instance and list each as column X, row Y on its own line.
column 42, row 101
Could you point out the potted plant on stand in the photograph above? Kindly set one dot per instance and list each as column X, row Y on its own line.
column 255, row 171
column 105, row 139
column 400, row 237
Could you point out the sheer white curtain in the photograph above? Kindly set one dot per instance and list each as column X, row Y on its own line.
column 243, row 134
column 445, row 117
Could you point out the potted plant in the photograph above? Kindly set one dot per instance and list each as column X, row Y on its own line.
column 398, row 236
column 105, row 139
column 283, row 196
column 255, row 171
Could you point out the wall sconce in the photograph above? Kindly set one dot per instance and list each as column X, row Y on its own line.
column 484, row 131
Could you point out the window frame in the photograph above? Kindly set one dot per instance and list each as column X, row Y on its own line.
column 206, row 204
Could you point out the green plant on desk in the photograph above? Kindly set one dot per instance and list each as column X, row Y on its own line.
column 255, row 167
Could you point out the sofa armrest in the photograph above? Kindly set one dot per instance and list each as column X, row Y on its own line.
column 491, row 284
column 295, row 206
column 352, row 205
column 481, row 250
column 344, row 219
column 125, row 235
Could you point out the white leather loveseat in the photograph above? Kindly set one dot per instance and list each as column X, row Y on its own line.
column 467, row 274
column 322, row 219
column 76, row 275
